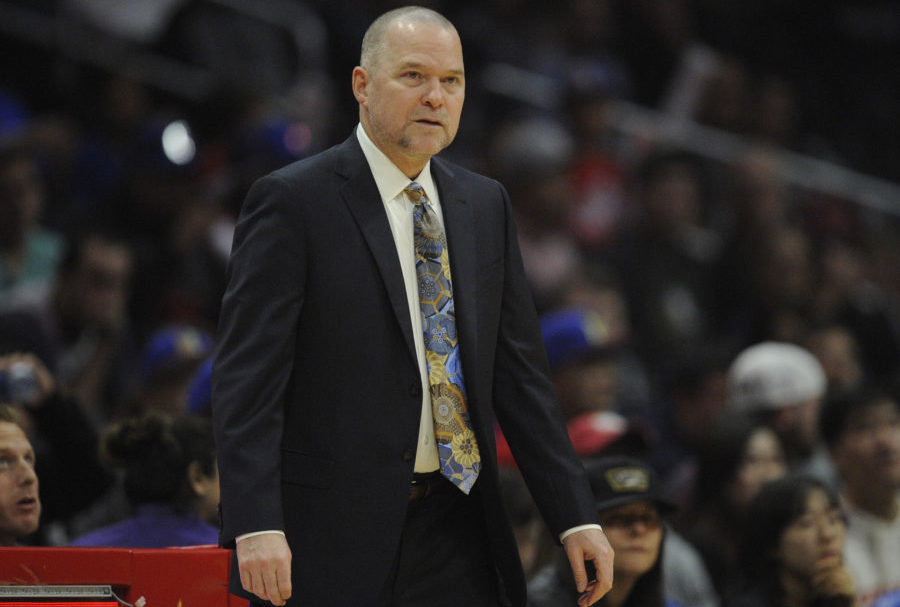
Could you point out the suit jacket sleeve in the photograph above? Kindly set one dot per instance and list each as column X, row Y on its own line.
column 525, row 403
column 253, row 357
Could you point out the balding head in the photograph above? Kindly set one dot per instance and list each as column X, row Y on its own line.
column 411, row 86
column 375, row 40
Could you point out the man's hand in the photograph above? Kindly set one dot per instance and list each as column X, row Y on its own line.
column 264, row 562
column 590, row 545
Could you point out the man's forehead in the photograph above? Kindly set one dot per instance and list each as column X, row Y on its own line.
column 416, row 63
column 405, row 36
column 12, row 437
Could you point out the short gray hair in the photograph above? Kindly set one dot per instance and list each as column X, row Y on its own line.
column 373, row 42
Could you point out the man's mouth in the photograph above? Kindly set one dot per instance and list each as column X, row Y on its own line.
column 429, row 122
column 27, row 503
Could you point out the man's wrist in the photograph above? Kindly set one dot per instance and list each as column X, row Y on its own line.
column 569, row 532
column 244, row 536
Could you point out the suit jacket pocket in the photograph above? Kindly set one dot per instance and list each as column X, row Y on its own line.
column 307, row 470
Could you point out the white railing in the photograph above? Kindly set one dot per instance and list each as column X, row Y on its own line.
column 795, row 169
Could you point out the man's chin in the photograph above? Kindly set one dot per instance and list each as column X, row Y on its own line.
column 28, row 525
column 427, row 145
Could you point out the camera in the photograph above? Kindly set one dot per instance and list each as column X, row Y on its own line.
column 18, row 383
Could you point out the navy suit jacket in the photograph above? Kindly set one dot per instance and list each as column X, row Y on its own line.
column 316, row 388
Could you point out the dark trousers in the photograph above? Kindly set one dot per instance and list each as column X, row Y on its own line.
column 443, row 559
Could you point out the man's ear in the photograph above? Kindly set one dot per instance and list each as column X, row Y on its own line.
column 197, row 479
column 360, row 81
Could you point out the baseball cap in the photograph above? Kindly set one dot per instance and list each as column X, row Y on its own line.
column 773, row 375
column 173, row 349
column 619, row 480
column 574, row 335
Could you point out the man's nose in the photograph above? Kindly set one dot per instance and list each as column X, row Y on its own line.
column 434, row 94
column 27, row 475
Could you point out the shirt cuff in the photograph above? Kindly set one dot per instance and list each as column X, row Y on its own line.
column 244, row 536
column 569, row 532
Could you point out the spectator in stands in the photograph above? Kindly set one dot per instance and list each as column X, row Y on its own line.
column 694, row 397
column 599, row 175
column 738, row 455
column 752, row 201
column 170, row 479
column 608, row 434
column 791, row 545
column 580, row 349
column 64, row 441
column 848, row 295
column 87, row 323
column 862, row 430
column 631, row 510
column 533, row 157
column 665, row 260
column 171, row 357
column 29, row 253
column 837, row 349
column 20, row 504
column 781, row 268
column 784, row 385
column 724, row 102
column 597, row 291
column 775, row 117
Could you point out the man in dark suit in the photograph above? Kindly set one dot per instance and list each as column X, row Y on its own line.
column 357, row 466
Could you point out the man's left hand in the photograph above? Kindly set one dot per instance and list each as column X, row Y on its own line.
column 590, row 545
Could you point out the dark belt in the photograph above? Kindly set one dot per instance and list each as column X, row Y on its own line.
column 423, row 485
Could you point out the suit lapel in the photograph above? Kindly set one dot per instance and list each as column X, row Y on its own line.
column 361, row 196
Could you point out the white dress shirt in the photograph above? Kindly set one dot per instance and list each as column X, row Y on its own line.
column 391, row 182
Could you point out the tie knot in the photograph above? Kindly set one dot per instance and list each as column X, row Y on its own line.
column 415, row 192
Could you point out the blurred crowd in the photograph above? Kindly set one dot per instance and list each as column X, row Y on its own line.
column 720, row 327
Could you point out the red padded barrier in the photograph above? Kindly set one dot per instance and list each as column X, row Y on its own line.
column 169, row 577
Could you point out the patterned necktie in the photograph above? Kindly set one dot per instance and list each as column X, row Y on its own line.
column 457, row 448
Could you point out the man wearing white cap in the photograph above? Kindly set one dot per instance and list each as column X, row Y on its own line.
column 784, row 384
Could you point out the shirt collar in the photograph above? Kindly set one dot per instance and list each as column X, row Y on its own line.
column 390, row 180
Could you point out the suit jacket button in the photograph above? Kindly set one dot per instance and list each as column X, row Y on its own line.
column 415, row 389
column 408, row 455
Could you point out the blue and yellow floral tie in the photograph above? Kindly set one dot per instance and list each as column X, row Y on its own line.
column 457, row 447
